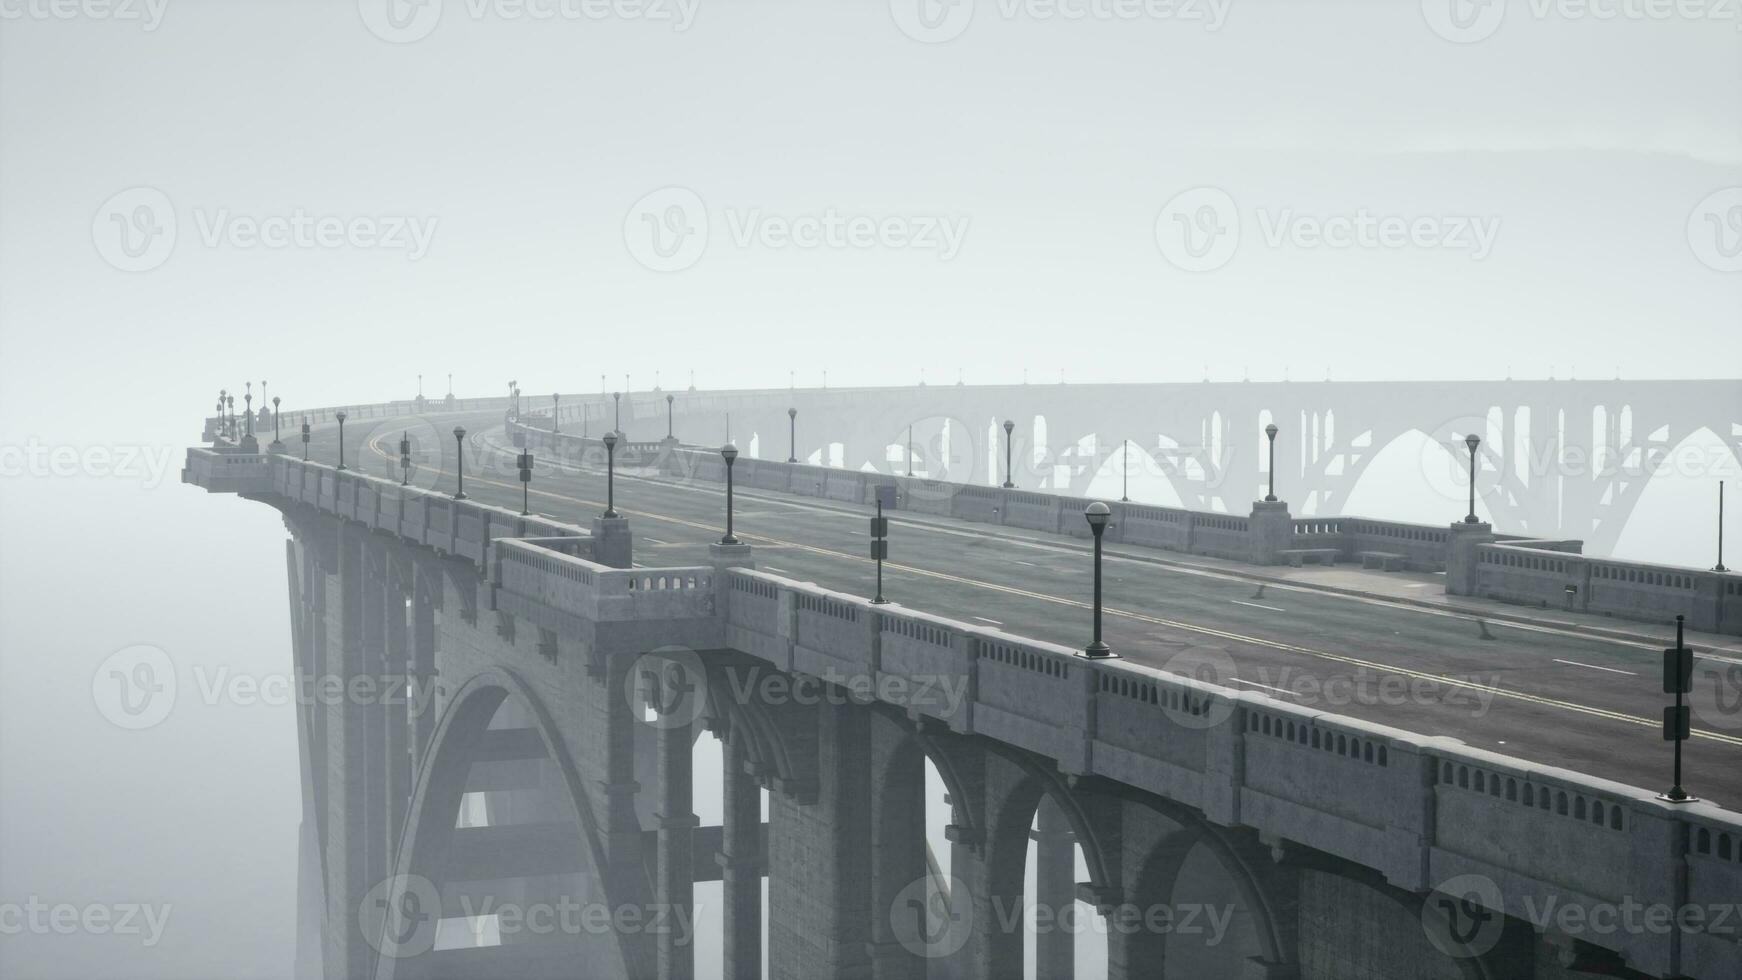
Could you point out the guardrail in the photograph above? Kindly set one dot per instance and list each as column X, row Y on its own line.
column 1529, row 573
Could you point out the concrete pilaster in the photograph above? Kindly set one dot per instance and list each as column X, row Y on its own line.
column 1461, row 554
column 1055, row 892
column 741, row 865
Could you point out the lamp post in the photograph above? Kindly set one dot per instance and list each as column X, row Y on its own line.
column 460, row 470
column 305, row 440
column 1472, row 440
column 792, row 435
column 1719, row 567
column 1678, row 679
column 404, row 458
column 248, row 410
column 556, row 419
column 668, row 424
column 610, row 475
column 729, row 453
column 341, row 417
column 275, row 422
column 618, row 397
column 1270, row 433
column 1097, row 514
column 230, row 406
column 1009, row 427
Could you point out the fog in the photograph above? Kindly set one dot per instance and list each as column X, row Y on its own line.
column 198, row 194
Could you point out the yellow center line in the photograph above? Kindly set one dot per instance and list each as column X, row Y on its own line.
column 1145, row 618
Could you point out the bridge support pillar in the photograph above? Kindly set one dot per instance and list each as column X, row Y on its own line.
column 613, row 545
column 741, row 865
column 1055, row 893
column 346, row 762
column 674, row 885
column 898, row 848
column 1462, row 552
column 396, row 680
column 426, row 591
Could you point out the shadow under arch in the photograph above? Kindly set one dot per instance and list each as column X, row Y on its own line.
column 435, row 803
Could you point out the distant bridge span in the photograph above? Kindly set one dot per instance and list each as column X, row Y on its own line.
column 1560, row 459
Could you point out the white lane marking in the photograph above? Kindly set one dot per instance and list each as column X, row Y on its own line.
column 1257, row 605
column 774, row 569
column 651, row 541
column 1267, row 687
column 983, row 619
column 1030, row 564
column 1612, row 670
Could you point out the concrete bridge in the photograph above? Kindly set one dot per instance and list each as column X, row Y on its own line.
column 562, row 675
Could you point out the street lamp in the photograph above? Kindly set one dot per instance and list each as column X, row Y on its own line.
column 1719, row 567
column 556, row 419
column 341, row 417
column 668, row 427
column 729, row 453
column 404, row 458
column 1270, row 433
column 610, row 475
column 1472, row 440
column 1097, row 514
column 792, row 435
column 275, row 419
column 460, row 471
column 618, row 396
column 305, row 440
column 230, row 404
column 1009, row 427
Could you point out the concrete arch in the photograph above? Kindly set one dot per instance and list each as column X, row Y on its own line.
column 440, row 784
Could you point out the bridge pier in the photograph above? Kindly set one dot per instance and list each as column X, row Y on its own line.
column 675, row 820
column 1055, row 893
column 346, row 765
column 741, row 864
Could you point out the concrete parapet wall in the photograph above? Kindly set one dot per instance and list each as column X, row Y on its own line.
column 1551, row 578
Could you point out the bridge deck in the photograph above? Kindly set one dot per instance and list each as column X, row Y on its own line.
column 1383, row 647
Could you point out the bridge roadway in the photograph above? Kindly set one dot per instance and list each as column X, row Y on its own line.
column 1542, row 692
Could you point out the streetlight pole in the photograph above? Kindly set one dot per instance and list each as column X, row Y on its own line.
column 525, row 461
column 1097, row 514
column 792, row 435
column 404, row 459
column 556, row 419
column 1678, row 678
column 617, row 396
column 729, row 453
column 610, row 475
column 275, row 439
column 1009, row 427
column 460, row 470
column 1719, row 567
column 305, row 440
column 341, row 417
column 1270, row 433
column 1472, row 440
column 668, row 421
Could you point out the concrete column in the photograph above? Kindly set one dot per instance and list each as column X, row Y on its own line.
column 674, row 884
column 347, row 953
column 741, row 866
column 1055, row 893
column 371, row 694
column 396, row 747
column 426, row 596
column 613, row 545
column 898, row 847
column 1270, row 530
column 1461, row 554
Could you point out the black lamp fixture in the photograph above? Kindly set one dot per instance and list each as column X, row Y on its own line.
column 1098, row 515
column 460, row 470
column 1472, row 440
column 610, row 475
column 729, row 453
column 1270, row 433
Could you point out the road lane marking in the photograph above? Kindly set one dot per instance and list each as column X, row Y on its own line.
column 1612, row 670
column 1267, row 687
column 1257, row 605
column 983, row 619
column 1210, row 631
